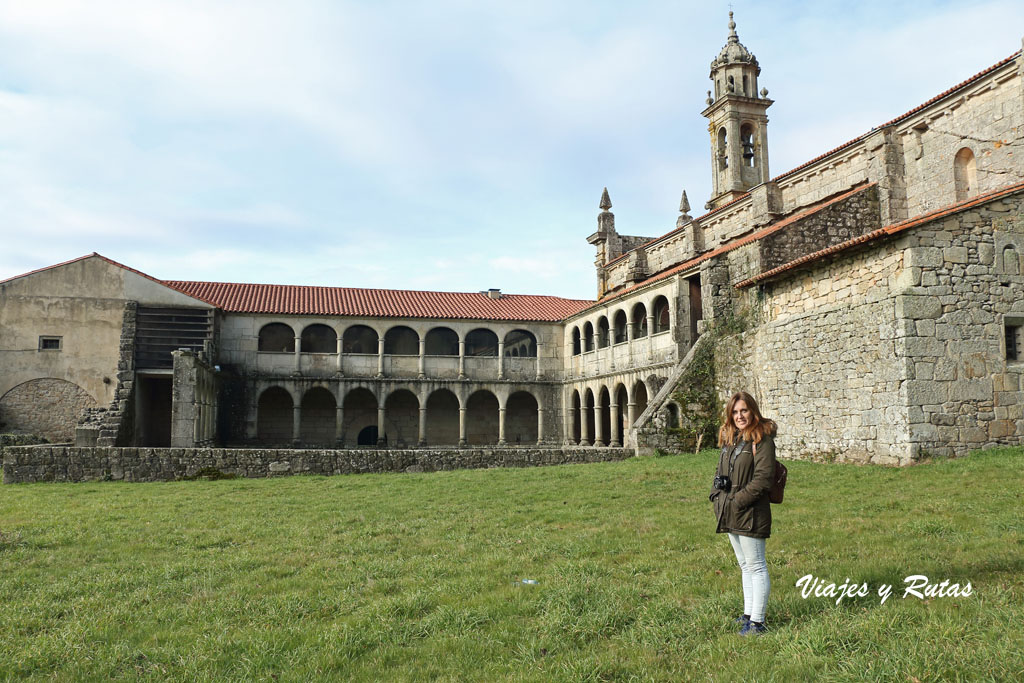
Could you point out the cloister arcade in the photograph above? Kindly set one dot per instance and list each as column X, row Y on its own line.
column 352, row 413
column 600, row 413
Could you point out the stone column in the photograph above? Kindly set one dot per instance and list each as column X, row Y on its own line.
column 630, row 419
column 423, row 426
column 501, row 426
column 341, row 348
column 462, row 426
column 616, row 427
column 296, row 423
column 650, row 333
column 538, row 360
column 380, row 357
column 598, row 427
column 462, row 359
column 501, row 359
column 584, row 424
column 540, row 425
column 298, row 355
column 339, row 425
column 423, row 353
column 566, row 419
column 629, row 341
column 380, row 426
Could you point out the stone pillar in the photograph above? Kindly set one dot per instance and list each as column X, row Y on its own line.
column 501, row 426
column 462, row 359
column 650, row 333
column 630, row 419
column 423, row 353
column 380, row 425
column 501, row 359
column 339, row 425
column 423, row 425
column 616, row 427
column 598, row 427
column 298, row 355
column 629, row 341
column 462, row 426
column 584, row 424
column 538, row 360
column 380, row 357
column 341, row 348
column 297, row 423
column 566, row 419
column 540, row 425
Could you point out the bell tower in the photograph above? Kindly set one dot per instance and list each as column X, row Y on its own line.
column 738, row 122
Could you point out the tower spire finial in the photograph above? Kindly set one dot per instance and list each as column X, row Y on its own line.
column 733, row 38
column 606, row 201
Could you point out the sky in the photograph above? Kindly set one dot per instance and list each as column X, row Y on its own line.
column 441, row 145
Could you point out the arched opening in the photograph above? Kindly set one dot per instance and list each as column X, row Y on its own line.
column 442, row 418
column 671, row 415
column 588, row 415
column 522, row 343
column 723, row 149
column 277, row 338
column 482, row 418
column 965, row 174
column 319, row 414
column 639, row 321
column 401, row 418
column 588, row 337
column 51, row 408
column 359, row 339
column 319, row 339
column 622, row 398
column 620, row 326
column 442, row 341
column 604, row 400
column 521, row 419
column 481, row 342
column 1011, row 261
column 746, row 86
column 575, row 341
column 401, row 341
column 662, row 318
column 274, row 414
column 576, row 426
column 602, row 332
column 367, row 436
column 360, row 410
column 640, row 398
column 747, row 143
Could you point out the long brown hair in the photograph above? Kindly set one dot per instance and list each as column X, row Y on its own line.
column 758, row 428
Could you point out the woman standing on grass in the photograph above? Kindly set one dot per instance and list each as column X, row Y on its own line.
column 746, row 469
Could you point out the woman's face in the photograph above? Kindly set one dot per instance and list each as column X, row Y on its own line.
column 740, row 415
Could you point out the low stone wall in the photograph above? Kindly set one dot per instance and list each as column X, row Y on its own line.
column 27, row 464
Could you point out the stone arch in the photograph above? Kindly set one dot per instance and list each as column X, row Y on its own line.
column 522, row 341
column 640, row 397
column 639, row 322
column 605, row 413
column 521, row 413
column 482, row 342
column 622, row 399
column 401, row 418
column 723, row 148
column 576, row 349
column 401, row 341
column 671, row 415
column 442, row 418
column 588, row 336
column 965, row 174
column 360, row 339
column 588, row 416
column 277, row 338
column 747, row 143
column 319, row 338
column 360, row 411
column 274, row 415
column 662, row 315
column 576, row 434
column 619, row 323
column 602, row 332
column 319, row 417
column 441, row 341
column 46, row 406
column 482, row 418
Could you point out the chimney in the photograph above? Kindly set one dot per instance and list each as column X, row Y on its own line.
column 493, row 293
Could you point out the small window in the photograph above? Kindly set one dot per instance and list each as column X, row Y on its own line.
column 1014, row 342
column 50, row 343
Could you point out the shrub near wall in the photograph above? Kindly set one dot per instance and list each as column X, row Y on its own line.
column 66, row 463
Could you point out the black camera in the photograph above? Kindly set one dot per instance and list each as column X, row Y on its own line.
column 723, row 483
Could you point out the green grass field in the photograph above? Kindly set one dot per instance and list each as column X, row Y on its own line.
column 416, row 576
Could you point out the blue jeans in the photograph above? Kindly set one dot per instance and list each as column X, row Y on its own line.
column 754, row 568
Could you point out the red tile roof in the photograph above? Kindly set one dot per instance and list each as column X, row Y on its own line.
column 377, row 303
column 886, row 231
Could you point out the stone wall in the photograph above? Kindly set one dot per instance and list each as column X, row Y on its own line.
column 48, row 407
column 48, row 463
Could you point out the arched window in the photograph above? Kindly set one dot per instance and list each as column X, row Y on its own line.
column 747, row 143
column 588, row 337
column 620, row 326
column 965, row 174
column 442, row 341
column 481, row 342
column 1011, row 261
column 522, row 343
column 745, row 86
column 319, row 339
column 672, row 415
column 277, row 338
column 359, row 339
column 662, row 319
column 401, row 341
column 575, row 341
column 639, row 321
column 602, row 332
column 723, row 148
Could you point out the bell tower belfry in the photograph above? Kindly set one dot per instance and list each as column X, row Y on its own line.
column 738, row 122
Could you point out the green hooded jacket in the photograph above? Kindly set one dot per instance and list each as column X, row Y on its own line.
column 745, row 508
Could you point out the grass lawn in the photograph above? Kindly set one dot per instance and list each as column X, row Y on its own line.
column 417, row 576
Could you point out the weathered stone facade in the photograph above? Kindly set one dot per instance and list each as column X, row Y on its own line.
column 48, row 407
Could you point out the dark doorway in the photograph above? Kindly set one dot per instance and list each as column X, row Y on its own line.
column 367, row 436
column 154, row 411
column 696, row 306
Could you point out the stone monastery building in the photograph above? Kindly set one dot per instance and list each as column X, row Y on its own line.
column 883, row 282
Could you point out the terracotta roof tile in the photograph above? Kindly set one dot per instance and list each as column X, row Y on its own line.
column 377, row 303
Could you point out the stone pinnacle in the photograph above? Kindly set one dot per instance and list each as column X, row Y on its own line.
column 733, row 38
column 606, row 201
column 684, row 204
